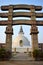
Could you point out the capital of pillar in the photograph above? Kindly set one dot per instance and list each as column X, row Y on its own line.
column 34, row 30
column 9, row 30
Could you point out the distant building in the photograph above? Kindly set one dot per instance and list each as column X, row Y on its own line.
column 21, row 43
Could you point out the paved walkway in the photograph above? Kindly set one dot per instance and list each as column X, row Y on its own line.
column 21, row 59
column 21, row 62
column 22, row 56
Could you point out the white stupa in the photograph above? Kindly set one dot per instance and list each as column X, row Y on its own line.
column 21, row 43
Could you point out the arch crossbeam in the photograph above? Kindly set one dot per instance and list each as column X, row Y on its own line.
column 27, row 7
column 23, row 22
column 22, row 14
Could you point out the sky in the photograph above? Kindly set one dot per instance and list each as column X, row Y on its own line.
column 16, row 28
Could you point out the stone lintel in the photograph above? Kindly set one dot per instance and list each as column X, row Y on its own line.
column 21, row 14
column 4, row 15
column 27, row 22
column 27, row 14
column 27, row 7
column 23, row 22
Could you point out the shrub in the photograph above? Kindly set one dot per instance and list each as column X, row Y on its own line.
column 4, row 55
column 37, row 54
column 8, row 54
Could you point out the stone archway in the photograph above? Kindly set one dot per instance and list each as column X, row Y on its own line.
column 10, row 22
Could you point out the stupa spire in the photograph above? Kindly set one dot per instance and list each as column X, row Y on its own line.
column 21, row 30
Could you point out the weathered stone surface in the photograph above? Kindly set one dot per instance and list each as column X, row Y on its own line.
column 10, row 22
column 27, row 7
column 9, row 32
column 34, row 37
column 5, row 15
column 23, row 22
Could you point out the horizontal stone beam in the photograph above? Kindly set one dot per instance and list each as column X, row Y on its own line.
column 27, row 14
column 4, row 15
column 23, row 22
column 2, row 23
column 27, row 7
column 39, row 23
column 22, row 14
column 27, row 22
column 5, row 8
column 39, row 15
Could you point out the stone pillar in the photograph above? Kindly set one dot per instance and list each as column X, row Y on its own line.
column 34, row 30
column 34, row 37
column 33, row 17
column 9, row 30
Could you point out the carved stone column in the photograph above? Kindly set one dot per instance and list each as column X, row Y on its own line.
column 9, row 29
column 34, row 37
column 33, row 17
column 34, row 30
column 9, row 32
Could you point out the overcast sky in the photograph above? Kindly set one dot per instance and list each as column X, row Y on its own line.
column 16, row 28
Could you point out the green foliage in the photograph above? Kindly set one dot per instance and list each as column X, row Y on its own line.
column 38, row 54
column 35, row 53
column 4, row 55
column 2, row 52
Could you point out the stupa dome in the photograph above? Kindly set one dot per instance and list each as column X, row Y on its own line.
column 21, row 40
